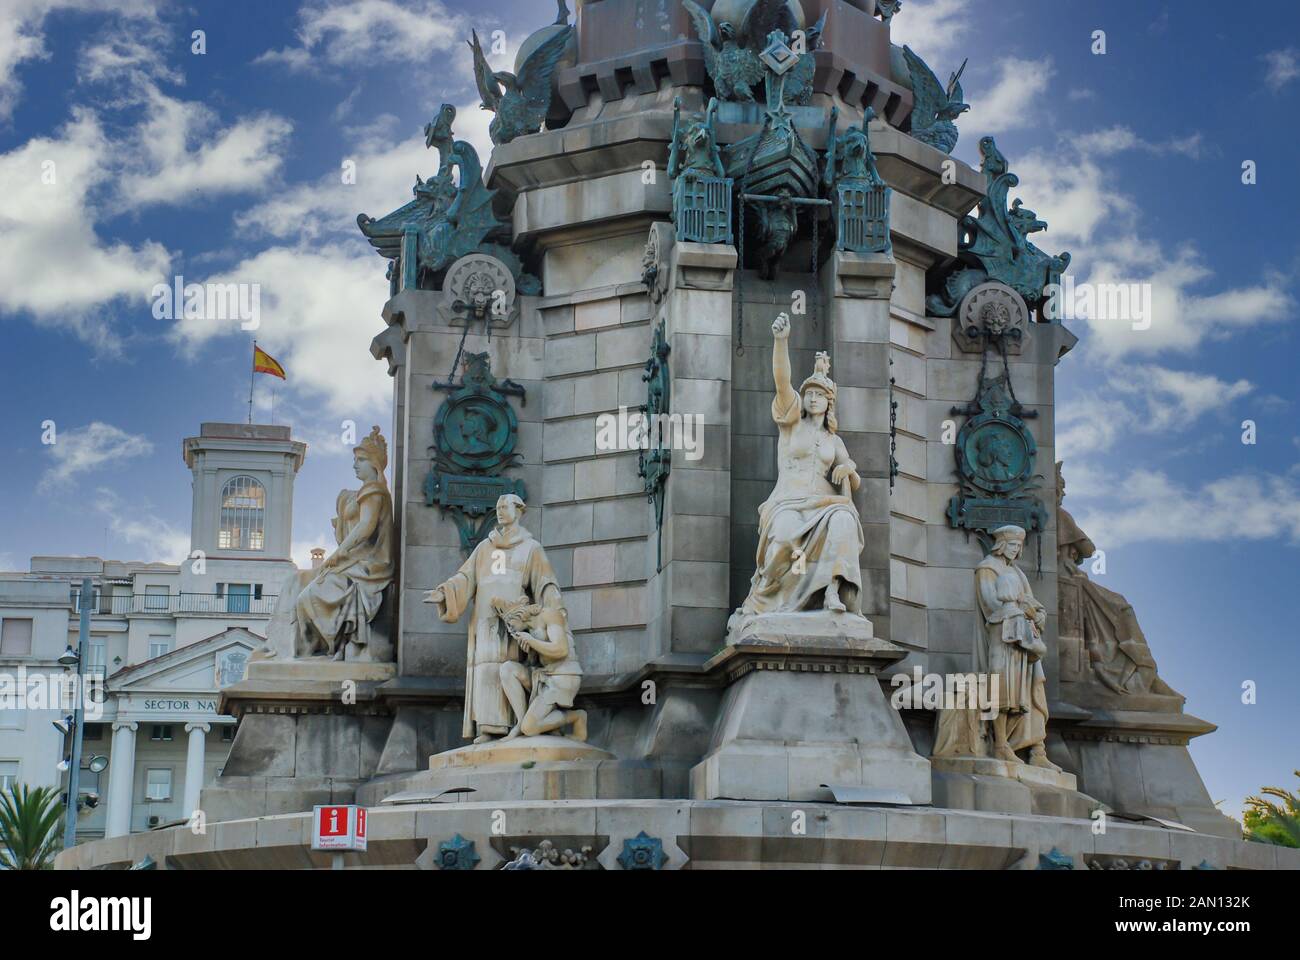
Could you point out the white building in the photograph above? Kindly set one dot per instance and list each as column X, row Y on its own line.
column 166, row 637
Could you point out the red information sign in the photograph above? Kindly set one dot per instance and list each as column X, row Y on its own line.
column 338, row 828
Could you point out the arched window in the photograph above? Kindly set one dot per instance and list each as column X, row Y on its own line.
column 243, row 512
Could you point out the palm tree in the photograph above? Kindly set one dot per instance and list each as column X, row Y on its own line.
column 1274, row 823
column 29, row 828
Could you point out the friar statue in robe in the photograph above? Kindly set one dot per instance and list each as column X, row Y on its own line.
column 507, row 565
column 1117, row 649
column 809, row 532
column 1011, row 648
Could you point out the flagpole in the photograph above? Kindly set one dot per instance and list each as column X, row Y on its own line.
column 251, row 374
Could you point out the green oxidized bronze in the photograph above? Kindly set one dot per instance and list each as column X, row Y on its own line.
column 776, row 171
column 655, row 460
column 995, row 245
column 474, row 437
column 995, row 453
column 521, row 102
column 446, row 220
column 735, row 53
column 701, row 189
column 934, row 106
column 887, row 9
column 860, row 197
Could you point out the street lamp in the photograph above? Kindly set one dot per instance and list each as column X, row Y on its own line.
column 72, row 659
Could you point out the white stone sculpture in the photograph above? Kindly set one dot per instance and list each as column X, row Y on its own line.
column 517, row 615
column 327, row 612
column 810, row 535
column 1012, row 649
column 541, row 688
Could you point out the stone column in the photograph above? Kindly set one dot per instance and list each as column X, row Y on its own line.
column 858, row 287
column 690, row 592
column 121, row 778
column 194, row 765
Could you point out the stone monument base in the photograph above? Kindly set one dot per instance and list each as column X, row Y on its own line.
column 310, row 732
column 525, row 768
column 520, row 750
column 804, row 714
column 691, row 834
column 999, row 786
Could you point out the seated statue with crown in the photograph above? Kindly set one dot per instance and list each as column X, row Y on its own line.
column 330, row 611
column 809, row 532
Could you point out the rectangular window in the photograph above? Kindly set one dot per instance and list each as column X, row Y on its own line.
column 161, row 731
column 15, row 637
column 158, row 646
column 97, row 656
column 76, row 600
column 8, row 775
column 228, row 734
column 237, row 597
column 155, row 597
column 93, row 733
column 158, row 785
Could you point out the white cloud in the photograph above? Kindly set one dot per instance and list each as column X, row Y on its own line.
column 1119, row 138
column 180, row 152
column 319, row 311
column 1146, row 505
column 22, row 36
column 938, row 30
column 53, row 263
column 385, row 173
column 162, row 542
column 127, row 52
column 1281, row 67
column 1101, row 228
column 1015, row 99
column 384, row 176
column 83, row 449
column 1142, row 399
column 358, row 32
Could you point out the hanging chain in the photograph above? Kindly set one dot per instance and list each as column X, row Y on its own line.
column 740, row 280
column 451, row 377
column 740, row 261
column 893, row 432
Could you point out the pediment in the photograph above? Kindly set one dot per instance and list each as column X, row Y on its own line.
column 191, row 669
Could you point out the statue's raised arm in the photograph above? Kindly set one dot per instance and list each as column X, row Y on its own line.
column 809, row 533
column 786, row 401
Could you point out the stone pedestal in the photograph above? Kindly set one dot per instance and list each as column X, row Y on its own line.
column 804, row 712
column 310, row 732
column 1137, row 762
column 525, row 768
column 998, row 786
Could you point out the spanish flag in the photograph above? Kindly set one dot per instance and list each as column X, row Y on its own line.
column 263, row 362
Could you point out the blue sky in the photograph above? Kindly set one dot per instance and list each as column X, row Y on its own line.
column 226, row 166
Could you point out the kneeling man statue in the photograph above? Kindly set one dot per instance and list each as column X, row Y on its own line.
column 517, row 616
